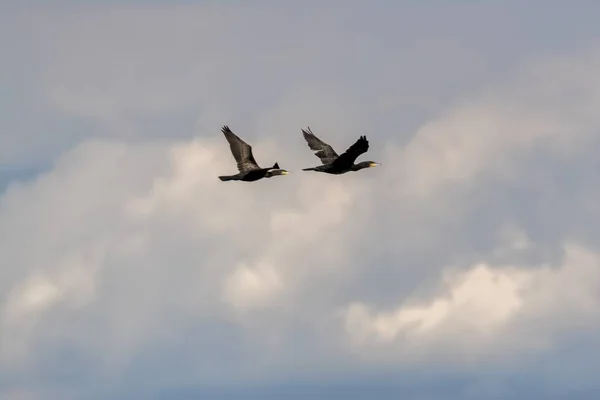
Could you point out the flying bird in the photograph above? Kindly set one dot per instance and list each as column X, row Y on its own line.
column 249, row 171
column 332, row 163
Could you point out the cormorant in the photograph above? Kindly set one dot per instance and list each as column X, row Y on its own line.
column 332, row 163
column 249, row 169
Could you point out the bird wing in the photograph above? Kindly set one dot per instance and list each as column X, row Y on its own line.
column 324, row 151
column 349, row 156
column 242, row 151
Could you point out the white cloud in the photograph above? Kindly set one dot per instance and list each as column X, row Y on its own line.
column 550, row 106
column 129, row 249
column 484, row 308
column 250, row 287
column 156, row 233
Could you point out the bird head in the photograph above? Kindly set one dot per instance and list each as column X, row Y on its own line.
column 275, row 170
column 364, row 164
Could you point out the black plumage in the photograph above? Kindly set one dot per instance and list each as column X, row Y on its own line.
column 332, row 163
column 249, row 170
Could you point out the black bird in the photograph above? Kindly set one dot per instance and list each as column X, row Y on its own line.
column 249, row 169
column 332, row 163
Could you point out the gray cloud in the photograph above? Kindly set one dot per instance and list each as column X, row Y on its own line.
column 127, row 261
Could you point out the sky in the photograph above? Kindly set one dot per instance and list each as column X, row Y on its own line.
column 465, row 266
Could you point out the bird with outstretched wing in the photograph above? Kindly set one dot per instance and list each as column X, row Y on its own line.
column 248, row 168
column 332, row 163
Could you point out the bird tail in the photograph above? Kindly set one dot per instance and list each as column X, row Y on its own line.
column 226, row 178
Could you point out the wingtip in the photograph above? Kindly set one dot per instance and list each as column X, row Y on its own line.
column 225, row 128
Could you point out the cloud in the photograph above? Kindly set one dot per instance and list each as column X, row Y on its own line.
column 484, row 307
column 129, row 260
column 550, row 106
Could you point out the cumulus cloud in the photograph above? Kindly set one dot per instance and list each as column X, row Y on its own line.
column 551, row 106
column 129, row 255
column 484, row 307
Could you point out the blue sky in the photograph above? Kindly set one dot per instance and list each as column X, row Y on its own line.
column 467, row 266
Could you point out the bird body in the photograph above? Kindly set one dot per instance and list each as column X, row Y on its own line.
column 332, row 162
column 336, row 170
column 254, row 174
column 249, row 171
